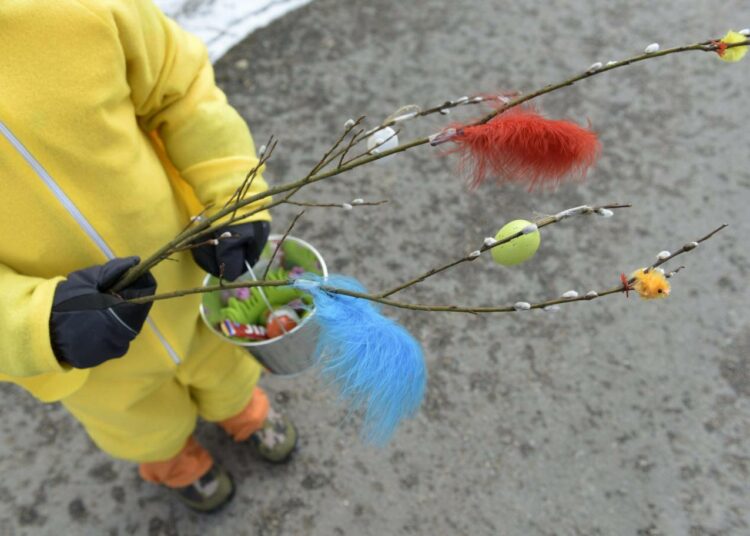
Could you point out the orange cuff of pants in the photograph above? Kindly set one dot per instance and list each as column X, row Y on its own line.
column 250, row 419
column 192, row 462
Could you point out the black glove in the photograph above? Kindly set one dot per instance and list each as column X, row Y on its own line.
column 88, row 325
column 246, row 244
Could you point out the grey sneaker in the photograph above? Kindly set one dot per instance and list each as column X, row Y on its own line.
column 209, row 493
column 276, row 441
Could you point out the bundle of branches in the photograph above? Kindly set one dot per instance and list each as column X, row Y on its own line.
column 380, row 370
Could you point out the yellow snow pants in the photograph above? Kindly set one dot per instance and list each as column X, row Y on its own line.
column 145, row 412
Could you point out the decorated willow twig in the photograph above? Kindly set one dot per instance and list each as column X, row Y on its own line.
column 730, row 46
column 566, row 298
column 489, row 244
column 510, row 100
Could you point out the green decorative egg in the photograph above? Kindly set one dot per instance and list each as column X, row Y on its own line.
column 518, row 250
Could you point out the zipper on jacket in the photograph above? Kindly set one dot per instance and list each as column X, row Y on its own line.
column 78, row 217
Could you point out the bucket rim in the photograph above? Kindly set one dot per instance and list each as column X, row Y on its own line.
column 268, row 342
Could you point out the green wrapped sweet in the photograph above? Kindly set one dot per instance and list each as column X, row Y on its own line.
column 251, row 310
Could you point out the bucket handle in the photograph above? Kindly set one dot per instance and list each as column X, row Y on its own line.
column 264, row 296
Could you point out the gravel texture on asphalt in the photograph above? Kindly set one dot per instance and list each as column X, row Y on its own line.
column 615, row 417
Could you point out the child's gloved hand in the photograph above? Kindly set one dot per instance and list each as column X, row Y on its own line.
column 246, row 244
column 88, row 325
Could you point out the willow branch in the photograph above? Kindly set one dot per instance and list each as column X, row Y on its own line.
column 684, row 249
column 706, row 46
column 594, row 295
column 280, row 242
column 511, row 100
column 543, row 222
column 548, row 220
column 241, row 191
column 337, row 205
column 327, row 158
column 355, row 139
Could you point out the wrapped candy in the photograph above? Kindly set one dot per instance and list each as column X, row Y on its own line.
column 250, row 332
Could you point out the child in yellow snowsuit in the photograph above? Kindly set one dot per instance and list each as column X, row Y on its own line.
column 90, row 89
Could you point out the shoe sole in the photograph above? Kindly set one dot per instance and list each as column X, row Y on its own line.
column 216, row 509
column 286, row 458
column 290, row 455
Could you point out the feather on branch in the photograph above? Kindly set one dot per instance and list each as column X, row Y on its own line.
column 520, row 145
column 376, row 366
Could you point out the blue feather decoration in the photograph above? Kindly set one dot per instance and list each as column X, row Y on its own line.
column 374, row 363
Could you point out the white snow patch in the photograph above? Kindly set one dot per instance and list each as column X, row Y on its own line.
column 223, row 23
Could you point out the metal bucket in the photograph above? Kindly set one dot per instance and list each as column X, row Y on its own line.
column 290, row 353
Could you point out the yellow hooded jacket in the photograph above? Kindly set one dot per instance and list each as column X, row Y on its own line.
column 83, row 83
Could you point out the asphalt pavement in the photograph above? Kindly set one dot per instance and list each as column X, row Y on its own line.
column 611, row 417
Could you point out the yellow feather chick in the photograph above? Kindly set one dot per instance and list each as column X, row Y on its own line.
column 735, row 53
column 650, row 285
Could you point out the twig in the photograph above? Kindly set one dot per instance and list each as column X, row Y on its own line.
column 280, row 242
column 349, row 127
column 209, row 242
column 442, row 108
column 509, row 102
column 352, row 142
column 548, row 220
column 687, row 247
column 416, row 307
column 250, row 176
column 467, row 101
column 706, row 46
column 336, row 205
column 197, row 218
column 674, row 272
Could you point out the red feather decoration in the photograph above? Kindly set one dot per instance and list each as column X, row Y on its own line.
column 522, row 146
